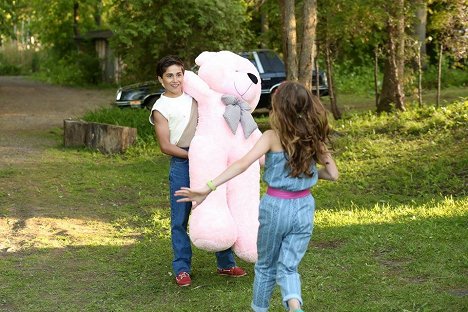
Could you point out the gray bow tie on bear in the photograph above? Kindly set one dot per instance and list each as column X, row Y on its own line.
column 237, row 110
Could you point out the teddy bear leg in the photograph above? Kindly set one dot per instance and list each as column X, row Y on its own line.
column 243, row 201
column 211, row 226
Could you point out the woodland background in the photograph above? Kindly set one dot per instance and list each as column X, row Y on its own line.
column 391, row 49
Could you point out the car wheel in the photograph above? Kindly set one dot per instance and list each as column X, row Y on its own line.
column 150, row 102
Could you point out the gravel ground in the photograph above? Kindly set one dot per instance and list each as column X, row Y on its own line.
column 30, row 109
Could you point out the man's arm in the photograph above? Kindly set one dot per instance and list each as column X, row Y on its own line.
column 161, row 128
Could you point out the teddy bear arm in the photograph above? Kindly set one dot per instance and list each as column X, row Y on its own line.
column 195, row 86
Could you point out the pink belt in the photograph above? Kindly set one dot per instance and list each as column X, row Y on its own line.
column 287, row 194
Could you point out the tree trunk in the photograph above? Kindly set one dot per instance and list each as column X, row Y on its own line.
column 288, row 20
column 264, row 27
column 316, row 78
column 399, row 61
column 392, row 86
column 386, row 95
column 331, row 86
column 439, row 75
column 395, row 58
column 418, row 56
column 306, row 59
column 376, row 75
column 420, row 29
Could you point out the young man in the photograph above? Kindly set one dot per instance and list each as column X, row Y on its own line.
column 174, row 116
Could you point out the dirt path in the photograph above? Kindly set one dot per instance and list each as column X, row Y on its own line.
column 29, row 109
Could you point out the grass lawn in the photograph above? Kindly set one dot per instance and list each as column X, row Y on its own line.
column 82, row 231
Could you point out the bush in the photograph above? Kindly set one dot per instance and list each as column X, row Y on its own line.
column 74, row 69
column 349, row 79
column 8, row 69
column 414, row 122
column 14, row 61
column 451, row 77
column 127, row 117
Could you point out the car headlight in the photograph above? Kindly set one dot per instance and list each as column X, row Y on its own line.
column 119, row 94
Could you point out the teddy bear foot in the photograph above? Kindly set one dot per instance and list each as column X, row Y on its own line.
column 246, row 255
column 212, row 246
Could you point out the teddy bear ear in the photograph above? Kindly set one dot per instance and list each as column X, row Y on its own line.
column 203, row 57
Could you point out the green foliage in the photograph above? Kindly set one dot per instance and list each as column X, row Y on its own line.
column 414, row 122
column 352, row 28
column 409, row 150
column 271, row 38
column 9, row 11
column 451, row 77
column 75, row 68
column 145, row 31
column 54, row 25
column 351, row 79
column 447, row 25
column 128, row 117
column 14, row 61
column 7, row 68
column 65, row 56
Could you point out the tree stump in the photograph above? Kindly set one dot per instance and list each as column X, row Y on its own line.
column 108, row 139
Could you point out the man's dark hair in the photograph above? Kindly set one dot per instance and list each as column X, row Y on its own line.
column 166, row 62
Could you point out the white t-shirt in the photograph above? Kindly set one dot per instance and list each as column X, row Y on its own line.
column 176, row 111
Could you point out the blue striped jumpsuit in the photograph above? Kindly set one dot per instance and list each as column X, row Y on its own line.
column 284, row 233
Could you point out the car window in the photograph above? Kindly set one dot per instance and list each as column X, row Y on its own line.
column 250, row 57
column 271, row 62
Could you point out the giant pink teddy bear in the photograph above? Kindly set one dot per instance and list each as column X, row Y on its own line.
column 229, row 216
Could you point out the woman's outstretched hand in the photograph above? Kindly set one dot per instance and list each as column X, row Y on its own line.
column 196, row 196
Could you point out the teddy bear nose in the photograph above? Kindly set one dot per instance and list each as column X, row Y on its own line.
column 253, row 78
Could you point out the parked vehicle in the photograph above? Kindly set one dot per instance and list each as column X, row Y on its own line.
column 272, row 72
column 268, row 63
column 139, row 95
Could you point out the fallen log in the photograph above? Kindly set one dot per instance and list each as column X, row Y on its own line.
column 108, row 139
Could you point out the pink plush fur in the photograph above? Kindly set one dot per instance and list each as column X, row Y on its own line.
column 229, row 216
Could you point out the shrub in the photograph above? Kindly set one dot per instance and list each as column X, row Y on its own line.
column 8, row 69
column 127, row 117
column 350, row 79
column 74, row 69
column 451, row 77
column 14, row 61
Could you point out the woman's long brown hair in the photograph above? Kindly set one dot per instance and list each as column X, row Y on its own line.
column 300, row 120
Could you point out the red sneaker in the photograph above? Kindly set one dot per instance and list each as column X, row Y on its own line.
column 183, row 279
column 232, row 272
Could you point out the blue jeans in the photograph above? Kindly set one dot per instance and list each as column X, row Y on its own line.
column 180, row 212
column 283, row 237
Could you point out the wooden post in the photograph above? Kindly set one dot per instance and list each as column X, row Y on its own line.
column 108, row 139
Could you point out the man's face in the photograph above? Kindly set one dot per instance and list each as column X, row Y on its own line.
column 172, row 81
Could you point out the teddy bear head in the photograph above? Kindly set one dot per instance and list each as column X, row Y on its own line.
column 229, row 73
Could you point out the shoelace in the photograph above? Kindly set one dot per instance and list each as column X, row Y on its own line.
column 182, row 275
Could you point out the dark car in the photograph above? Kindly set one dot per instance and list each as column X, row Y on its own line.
column 272, row 72
column 268, row 63
column 139, row 95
